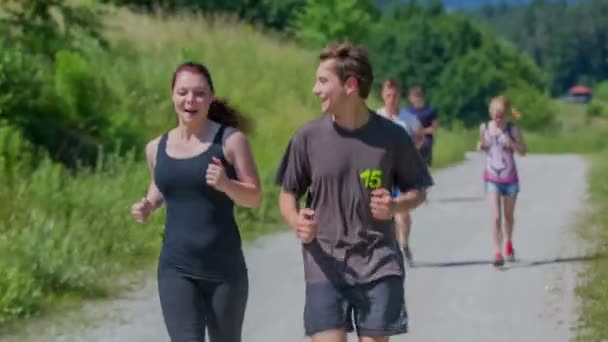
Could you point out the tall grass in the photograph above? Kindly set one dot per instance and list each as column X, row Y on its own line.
column 575, row 132
column 594, row 290
column 64, row 235
column 579, row 133
column 451, row 144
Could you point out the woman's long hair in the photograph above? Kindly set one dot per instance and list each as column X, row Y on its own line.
column 219, row 110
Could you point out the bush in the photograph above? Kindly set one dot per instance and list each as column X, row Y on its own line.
column 64, row 107
column 600, row 91
column 460, row 66
column 275, row 14
column 595, row 109
column 20, row 83
column 322, row 21
column 64, row 234
column 537, row 110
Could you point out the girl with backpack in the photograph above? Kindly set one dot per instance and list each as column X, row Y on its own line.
column 501, row 139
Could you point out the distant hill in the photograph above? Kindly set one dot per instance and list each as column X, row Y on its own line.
column 472, row 4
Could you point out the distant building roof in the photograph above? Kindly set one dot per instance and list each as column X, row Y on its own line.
column 580, row 90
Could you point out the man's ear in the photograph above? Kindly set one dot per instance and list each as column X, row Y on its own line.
column 351, row 85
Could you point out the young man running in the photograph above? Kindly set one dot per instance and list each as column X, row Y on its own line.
column 391, row 95
column 349, row 159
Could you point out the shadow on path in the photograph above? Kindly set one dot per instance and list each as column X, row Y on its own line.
column 518, row 263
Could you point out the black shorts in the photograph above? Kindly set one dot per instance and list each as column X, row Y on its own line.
column 374, row 310
column 426, row 152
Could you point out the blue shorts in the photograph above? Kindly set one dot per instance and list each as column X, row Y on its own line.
column 503, row 189
column 396, row 192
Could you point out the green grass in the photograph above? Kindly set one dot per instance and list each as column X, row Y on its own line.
column 450, row 146
column 583, row 140
column 574, row 132
column 577, row 133
column 63, row 236
column 594, row 291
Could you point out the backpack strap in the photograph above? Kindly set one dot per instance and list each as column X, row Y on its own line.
column 509, row 129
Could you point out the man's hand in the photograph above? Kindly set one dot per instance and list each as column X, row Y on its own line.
column 382, row 204
column 305, row 225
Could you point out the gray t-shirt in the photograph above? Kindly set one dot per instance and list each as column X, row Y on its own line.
column 340, row 168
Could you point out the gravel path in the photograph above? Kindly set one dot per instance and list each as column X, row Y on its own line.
column 453, row 294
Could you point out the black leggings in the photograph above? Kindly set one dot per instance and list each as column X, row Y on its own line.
column 191, row 306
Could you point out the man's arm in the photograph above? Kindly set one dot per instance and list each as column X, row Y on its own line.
column 294, row 178
column 432, row 128
column 289, row 207
column 409, row 200
column 417, row 132
column 411, row 175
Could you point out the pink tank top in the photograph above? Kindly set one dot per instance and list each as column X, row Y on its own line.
column 500, row 161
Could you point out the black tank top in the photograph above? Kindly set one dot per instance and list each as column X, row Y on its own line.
column 201, row 238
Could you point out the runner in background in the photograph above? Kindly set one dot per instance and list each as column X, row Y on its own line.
column 391, row 95
column 427, row 116
column 500, row 139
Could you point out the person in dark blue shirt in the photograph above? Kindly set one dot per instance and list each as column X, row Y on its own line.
column 427, row 115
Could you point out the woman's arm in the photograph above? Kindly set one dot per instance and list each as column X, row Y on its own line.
column 153, row 199
column 246, row 190
column 517, row 141
column 154, row 195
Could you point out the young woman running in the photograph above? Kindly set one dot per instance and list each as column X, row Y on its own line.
column 199, row 170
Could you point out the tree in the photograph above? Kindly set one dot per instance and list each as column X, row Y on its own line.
column 567, row 40
column 47, row 26
column 460, row 65
column 323, row 21
column 275, row 14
